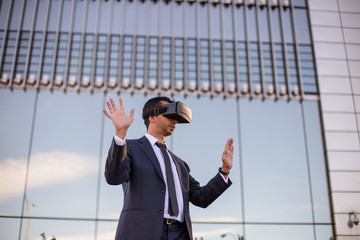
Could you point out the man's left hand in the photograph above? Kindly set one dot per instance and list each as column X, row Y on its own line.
column 227, row 156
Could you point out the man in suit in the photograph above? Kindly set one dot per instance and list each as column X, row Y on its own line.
column 157, row 184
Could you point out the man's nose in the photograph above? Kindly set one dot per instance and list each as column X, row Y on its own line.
column 173, row 120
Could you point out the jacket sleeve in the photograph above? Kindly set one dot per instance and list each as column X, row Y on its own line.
column 205, row 195
column 117, row 166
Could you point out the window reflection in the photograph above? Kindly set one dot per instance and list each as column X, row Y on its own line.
column 191, row 20
column 66, row 16
column 14, row 150
column 55, row 7
column 217, row 231
column 64, row 155
column 60, row 229
column 74, row 57
column 276, row 184
column 9, row 228
column 166, row 18
column 28, row 14
column 302, row 26
column 48, row 56
column 275, row 232
column 316, row 159
column 243, row 63
column 215, row 22
column 154, row 18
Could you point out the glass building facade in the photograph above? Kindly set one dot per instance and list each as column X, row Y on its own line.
column 245, row 68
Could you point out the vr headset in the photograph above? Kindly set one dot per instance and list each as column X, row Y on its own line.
column 176, row 110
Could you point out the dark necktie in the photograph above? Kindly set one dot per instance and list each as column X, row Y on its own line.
column 173, row 205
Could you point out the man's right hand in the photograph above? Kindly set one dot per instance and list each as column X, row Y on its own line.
column 120, row 120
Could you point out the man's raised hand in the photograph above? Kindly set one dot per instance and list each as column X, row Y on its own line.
column 120, row 120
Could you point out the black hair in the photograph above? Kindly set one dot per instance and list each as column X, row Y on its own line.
column 152, row 104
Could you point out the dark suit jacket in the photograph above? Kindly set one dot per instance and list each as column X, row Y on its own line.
column 137, row 168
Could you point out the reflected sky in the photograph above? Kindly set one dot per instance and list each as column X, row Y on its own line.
column 276, row 144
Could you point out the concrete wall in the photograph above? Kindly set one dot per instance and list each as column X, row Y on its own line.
column 336, row 34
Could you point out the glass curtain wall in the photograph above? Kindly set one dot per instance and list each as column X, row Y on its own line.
column 54, row 147
column 242, row 48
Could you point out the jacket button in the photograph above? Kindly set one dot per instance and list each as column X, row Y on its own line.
column 161, row 211
column 162, row 190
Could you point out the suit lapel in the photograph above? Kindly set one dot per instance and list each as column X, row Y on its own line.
column 149, row 152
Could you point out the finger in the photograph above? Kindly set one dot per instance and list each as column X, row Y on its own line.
column 121, row 106
column 228, row 144
column 113, row 104
column 132, row 113
column 106, row 113
column 109, row 107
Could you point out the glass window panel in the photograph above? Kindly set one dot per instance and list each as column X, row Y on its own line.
column 4, row 10
column 255, row 64
column 316, row 161
column 59, row 229
column 191, row 20
column 41, row 14
column 276, row 26
column 154, row 18
column 274, row 162
column 9, row 228
column 179, row 20
column 54, row 15
column 302, row 26
column 289, row 37
column 228, row 205
column 129, row 17
column 107, row 230
column 240, row 23
column 203, row 21
column 142, row 18
column 117, row 17
column 268, row 67
column 300, row 3
column 243, row 63
column 275, row 232
column 68, row 162
column 264, row 24
column 14, row 151
column 66, row 16
column 104, row 16
column 323, row 232
column 15, row 14
column 228, row 23
column 217, row 231
column 252, row 24
column 166, row 19
column 28, row 14
column 91, row 16
column 215, row 22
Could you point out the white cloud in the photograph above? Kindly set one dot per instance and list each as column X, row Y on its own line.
column 110, row 235
column 216, row 233
column 46, row 169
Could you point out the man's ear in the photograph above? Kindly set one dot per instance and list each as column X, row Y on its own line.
column 152, row 119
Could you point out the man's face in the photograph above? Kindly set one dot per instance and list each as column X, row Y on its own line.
column 165, row 126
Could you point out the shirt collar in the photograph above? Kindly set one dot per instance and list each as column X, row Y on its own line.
column 152, row 139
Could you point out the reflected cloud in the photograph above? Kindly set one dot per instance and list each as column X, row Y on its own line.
column 84, row 236
column 46, row 169
column 214, row 233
